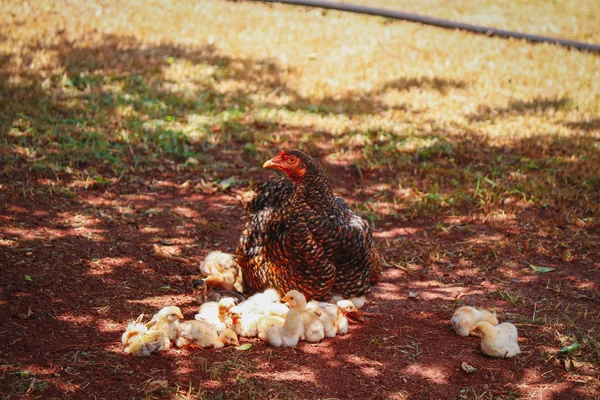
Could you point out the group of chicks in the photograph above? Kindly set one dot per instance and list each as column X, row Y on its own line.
column 276, row 320
column 142, row 339
column 496, row 340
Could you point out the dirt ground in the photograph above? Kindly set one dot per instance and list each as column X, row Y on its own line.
column 77, row 268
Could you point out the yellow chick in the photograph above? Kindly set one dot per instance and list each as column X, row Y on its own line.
column 266, row 322
column 146, row 343
column 201, row 334
column 133, row 329
column 222, row 271
column 166, row 321
column 498, row 341
column 289, row 333
column 465, row 319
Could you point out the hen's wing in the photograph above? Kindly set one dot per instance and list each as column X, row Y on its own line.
column 356, row 259
column 277, row 248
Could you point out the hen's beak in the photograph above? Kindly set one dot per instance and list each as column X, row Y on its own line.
column 275, row 161
column 270, row 164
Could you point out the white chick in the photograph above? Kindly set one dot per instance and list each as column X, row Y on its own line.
column 358, row 302
column 166, row 321
column 216, row 313
column 201, row 334
column 245, row 316
column 289, row 333
column 334, row 316
column 313, row 328
column 266, row 322
column 498, row 341
column 222, row 271
column 133, row 329
column 295, row 300
column 465, row 319
column 345, row 307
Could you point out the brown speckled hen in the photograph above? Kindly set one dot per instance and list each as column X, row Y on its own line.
column 302, row 236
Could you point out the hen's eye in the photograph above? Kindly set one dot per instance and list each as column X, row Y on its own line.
column 292, row 160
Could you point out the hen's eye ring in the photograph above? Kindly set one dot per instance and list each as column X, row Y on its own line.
column 292, row 160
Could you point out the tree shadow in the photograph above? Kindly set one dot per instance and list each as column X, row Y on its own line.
column 437, row 199
column 519, row 107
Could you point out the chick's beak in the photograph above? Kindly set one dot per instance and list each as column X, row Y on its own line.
column 180, row 316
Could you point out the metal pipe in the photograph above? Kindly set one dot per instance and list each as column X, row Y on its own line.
column 442, row 23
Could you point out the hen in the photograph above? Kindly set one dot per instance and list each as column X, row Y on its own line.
column 302, row 236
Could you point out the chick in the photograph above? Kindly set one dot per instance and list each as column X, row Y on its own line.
column 289, row 333
column 222, row 271
column 266, row 322
column 146, row 343
column 201, row 334
column 313, row 328
column 345, row 307
column 334, row 316
column 203, row 293
column 133, row 329
column 295, row 300
column 358, row 302
column 166, row 321
column 216, row 313
column 498, row 341
column 246, row 315
column 465, row 319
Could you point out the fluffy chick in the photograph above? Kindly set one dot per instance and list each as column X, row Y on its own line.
column 313, row 328
column 146, row 343
column 246, row 315
column 133, row 329
column 345, row 307
column 289, row 333
column 216, row 313
column 201, row 334
column 202, row 293
column 295, row 300
column 334, row 316
column 222, row 271
column 465, row 319
column 265, row 323
column 166, row 321
column 498, row 341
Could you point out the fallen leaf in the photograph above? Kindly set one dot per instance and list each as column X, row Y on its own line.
column 568, row 349
column 28, row 278
column 467, row 368
column 227, row 183
column 413, row 295
column 244, row 346
column 542, row 270
column 156, row 386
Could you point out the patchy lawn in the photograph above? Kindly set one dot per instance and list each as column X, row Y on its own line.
column 129, row 124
